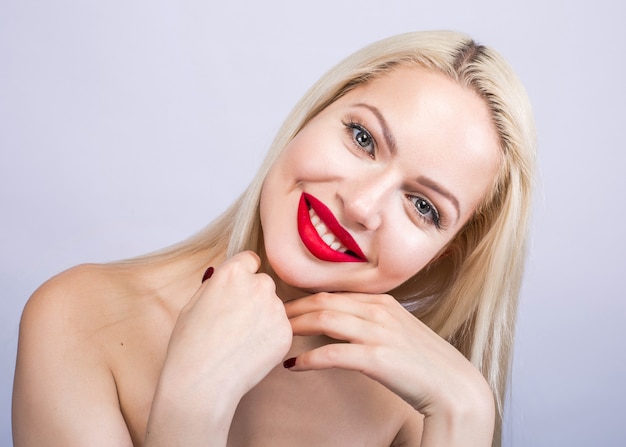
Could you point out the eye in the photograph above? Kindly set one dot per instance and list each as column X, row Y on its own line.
column 362, row 138
column 425, row 210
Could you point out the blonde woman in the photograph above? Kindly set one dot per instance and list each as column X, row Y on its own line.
column 361, row 292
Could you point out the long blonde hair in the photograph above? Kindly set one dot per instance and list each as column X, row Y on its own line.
column 469, row 295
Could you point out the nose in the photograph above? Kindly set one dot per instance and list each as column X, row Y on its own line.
column 365, row 200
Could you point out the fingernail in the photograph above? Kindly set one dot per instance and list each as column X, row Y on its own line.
column 290, row 363
column 208, row 274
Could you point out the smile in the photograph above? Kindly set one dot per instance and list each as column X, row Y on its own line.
column 322, row 234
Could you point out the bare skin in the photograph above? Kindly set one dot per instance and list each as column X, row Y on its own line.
column 89, row 376
column 144, row 354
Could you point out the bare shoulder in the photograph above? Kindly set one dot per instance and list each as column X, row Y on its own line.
column 410, row 434
column 71, row 307
column 64, row 392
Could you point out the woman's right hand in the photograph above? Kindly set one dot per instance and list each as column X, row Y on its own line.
column 228, row 337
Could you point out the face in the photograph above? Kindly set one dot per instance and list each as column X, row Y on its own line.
column 377, row 184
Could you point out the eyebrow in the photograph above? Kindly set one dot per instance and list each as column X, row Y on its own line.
column 391, row 142
column 433, row 185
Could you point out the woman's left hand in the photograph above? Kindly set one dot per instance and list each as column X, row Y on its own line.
column 393, row 347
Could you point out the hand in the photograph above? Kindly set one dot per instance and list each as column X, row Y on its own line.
column 227, row 338
column 234, row 326
column 391, row 346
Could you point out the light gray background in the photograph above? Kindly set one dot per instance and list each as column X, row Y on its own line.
column 127, row 125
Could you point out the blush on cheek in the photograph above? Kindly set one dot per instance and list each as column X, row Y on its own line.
column 402, row 266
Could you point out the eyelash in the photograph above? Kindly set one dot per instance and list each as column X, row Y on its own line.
column 434, row 220
column 352, row 128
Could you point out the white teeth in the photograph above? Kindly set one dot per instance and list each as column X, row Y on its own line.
column 321, row 228
column 327, row 236
column 314, row 217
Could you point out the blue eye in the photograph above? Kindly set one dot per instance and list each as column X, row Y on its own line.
column 425, row 210
column 362, row 138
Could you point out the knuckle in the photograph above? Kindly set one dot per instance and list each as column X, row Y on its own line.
column 287, row 335
column 278, row 309
column 241, row 262
column 265, row 282
column 321, row 299
column 247, row 255
column 230, row 268
column 324, row 318
column 378, row 355
column 387, row 299
column 377, row 312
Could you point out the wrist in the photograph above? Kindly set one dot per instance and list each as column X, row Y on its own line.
column 461, row 422
column 189, row 414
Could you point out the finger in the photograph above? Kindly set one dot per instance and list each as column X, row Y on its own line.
column 247, row 262
column 366, row 306
column 208, row 273
column 327, row 300
column 248, row 259
column 377, row 363
column 337, row 325
column 353, row 357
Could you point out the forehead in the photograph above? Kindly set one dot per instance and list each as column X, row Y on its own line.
column 412, row 95
column 438, row 126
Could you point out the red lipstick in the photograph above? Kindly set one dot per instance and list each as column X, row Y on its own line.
column 312, row 240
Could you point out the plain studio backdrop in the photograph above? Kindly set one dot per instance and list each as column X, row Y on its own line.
column 126, row 126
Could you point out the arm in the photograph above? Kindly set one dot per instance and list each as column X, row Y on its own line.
column 393, row 347
column 410, row 434
column 64, row 394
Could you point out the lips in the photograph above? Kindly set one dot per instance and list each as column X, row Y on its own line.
column 346, row 249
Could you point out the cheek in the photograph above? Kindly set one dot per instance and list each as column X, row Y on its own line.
column 401, row 258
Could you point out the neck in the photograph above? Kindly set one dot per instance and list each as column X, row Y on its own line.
column 285, row 292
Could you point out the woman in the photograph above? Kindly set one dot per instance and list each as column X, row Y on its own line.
column 400, row 182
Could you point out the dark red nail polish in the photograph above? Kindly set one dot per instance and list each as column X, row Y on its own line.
column 290, row 363
column 208, row 274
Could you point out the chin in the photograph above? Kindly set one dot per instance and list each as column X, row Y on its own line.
column 296, row 274
column 310, row 277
